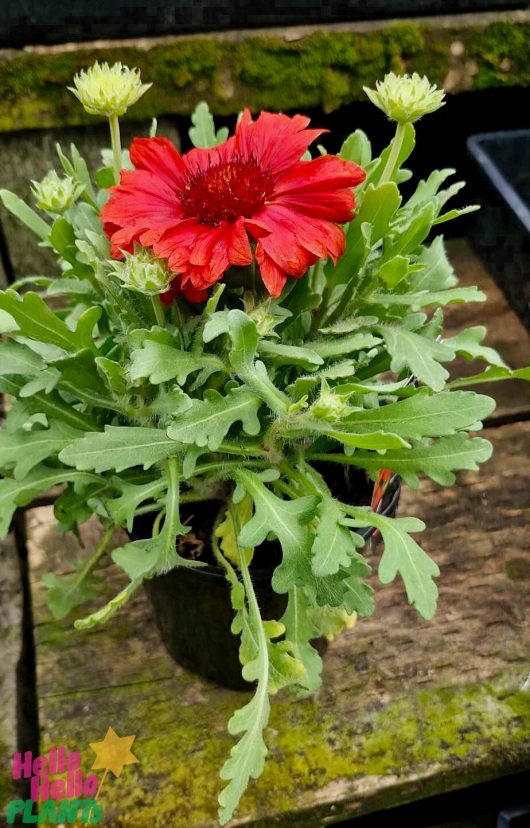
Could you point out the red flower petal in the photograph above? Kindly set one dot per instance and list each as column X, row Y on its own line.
column 160, row 157
column 273, row 277
column 275, row 141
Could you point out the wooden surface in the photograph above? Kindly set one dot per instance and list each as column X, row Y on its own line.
column 408, row 707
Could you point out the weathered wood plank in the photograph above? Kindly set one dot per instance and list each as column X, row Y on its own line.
column 10, row 651
column 408, row 707
column 506, row 333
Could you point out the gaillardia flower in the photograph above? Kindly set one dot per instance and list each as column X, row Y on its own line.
column 250, row 198
column 108, row 90
column 406, row 98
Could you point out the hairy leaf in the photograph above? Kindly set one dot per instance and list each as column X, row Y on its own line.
column 206, row 422
column 403, row 555
column 23, row 450
column 284, row 518
column 421, row 355
column 334, row 544
column 118, row 448
column 159, row 363
column 300, row 630
column 36, row 321
column 438, row 461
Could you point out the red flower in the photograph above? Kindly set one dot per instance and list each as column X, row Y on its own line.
column 201, row 211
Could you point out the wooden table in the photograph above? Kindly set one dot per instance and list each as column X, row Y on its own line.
column 409, row 708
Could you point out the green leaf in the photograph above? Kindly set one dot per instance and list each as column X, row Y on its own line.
column 468, row 343
column 247, row 757
column 15, row 493
column 244, row 336
column 25, row 214
column 492, row 374
column 18, row 359
column 290, row 355
column 156, row 555
column 49, row 404
column 23, row 450
column 419, row 354
column 206, row 422
column 118, row 448
column 334, row 545
column 300, row 631
column 438, row 272
column 63, row 240
column 286, row 520
column 202, row 133
column 102, row 615
column 113, row 375
column 330, row 347
column 159, row 363
column 356, row 437
column 36, row 321
column 67, row 592
column 438, row 461
column 408, row 239
column 356, row 148
column 424, row 415
column 7, row 323
column 393, row 271
column 227, row 531
column 122, row 509
column 378, row 206
column 403, row 555
column 426, row 298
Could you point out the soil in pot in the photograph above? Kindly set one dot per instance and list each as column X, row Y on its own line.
column 192, row 607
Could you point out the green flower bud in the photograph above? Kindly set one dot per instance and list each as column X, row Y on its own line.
column 405, row 98
column 54, row 194
column 142, row 272
column 108, row 90
column 328, row 405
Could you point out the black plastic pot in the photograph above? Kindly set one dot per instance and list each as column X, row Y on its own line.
column 501, row 229
column 193, row 612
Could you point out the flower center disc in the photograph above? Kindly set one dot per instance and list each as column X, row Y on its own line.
column 226, row 191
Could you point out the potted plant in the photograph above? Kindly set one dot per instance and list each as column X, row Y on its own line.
column 239, row 339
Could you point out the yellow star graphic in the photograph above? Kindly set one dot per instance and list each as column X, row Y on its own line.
column 113, row 752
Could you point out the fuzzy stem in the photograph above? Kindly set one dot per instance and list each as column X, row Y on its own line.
column 158, row 311
column 397, row 143
column 96, row 555
column 115, row 141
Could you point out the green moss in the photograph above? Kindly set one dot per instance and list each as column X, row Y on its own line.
column 501, row 52
column 446, row 738
column 323, row 69
column 6, row 784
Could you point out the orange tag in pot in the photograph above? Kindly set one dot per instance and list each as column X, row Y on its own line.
column 380, row 485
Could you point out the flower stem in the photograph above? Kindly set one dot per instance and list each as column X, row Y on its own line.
column 96, row 555
column 115, row 141
column 397, row 143
column 159, row 311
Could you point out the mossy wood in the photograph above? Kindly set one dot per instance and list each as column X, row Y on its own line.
column 295, row 68
column 409, row 708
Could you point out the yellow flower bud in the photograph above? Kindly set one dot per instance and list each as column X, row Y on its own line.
column 142, row 272
column 54, row 194
column 108, row 90
column 405, row 98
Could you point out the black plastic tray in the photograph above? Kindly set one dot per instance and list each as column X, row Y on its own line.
column 501, row 230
